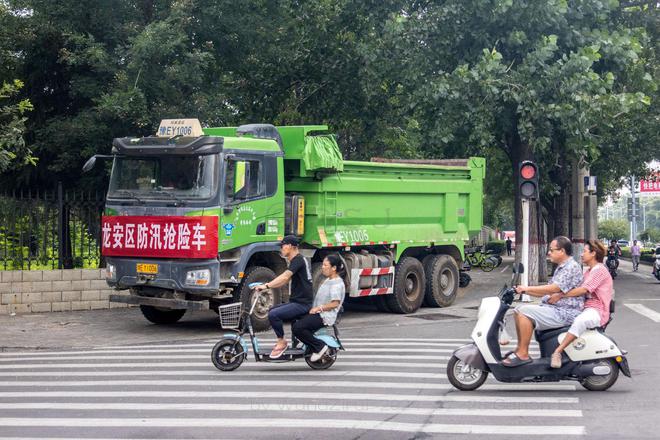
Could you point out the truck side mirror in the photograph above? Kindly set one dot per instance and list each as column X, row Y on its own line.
column 92, row 161
column 89, row 164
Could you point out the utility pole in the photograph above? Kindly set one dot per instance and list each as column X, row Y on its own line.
column 633, row 210
column 578, row 223
column 528, row 180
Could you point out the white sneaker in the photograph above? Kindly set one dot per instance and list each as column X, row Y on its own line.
column 315, row 357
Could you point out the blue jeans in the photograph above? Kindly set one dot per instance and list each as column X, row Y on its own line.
column 285, row 312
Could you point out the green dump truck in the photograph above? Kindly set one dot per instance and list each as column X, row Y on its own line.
column 193, row 216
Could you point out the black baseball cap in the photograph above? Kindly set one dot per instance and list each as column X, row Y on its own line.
column 290, row 239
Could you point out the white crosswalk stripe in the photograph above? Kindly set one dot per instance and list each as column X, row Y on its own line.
column 380, row 385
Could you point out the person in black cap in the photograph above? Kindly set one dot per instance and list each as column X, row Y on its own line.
column 301, row 298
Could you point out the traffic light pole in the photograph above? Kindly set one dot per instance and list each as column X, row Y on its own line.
column 524, row 254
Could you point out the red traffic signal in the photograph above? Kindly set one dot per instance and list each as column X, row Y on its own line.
column 528, row 179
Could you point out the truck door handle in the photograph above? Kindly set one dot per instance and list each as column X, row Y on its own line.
column 261, row 229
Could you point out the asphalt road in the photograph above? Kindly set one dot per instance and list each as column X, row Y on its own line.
column 109, row 374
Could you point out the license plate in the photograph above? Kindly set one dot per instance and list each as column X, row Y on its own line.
column 147, row 268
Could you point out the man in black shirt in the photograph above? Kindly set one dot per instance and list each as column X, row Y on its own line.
column 302, row 295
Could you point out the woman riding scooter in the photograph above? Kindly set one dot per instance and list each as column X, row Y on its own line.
column 325, row 309
column 597, row 285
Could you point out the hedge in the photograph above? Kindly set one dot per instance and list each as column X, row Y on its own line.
column 497, row 246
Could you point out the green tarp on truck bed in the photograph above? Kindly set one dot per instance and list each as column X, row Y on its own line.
column 322, row 153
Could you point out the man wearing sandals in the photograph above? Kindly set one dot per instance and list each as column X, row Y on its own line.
column 302, row 295
column 545, row 316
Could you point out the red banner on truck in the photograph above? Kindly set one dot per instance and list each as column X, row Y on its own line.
column 163, row 237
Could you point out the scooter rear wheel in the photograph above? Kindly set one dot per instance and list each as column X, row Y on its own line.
column 463, row 376
column 602, row 383
column 325, row 362
column 227, row 355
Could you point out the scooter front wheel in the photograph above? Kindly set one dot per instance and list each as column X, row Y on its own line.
column 325, row 362
column 463, row 376
column 227, row 355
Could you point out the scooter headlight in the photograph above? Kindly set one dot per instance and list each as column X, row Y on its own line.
column 198, row 277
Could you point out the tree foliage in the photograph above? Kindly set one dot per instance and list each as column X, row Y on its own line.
column 613, row 229
column 566, row 83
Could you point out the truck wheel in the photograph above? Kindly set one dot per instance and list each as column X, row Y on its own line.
column 317, row 276
column 258, row 274
column 464, row 280
column 158, row 315
column 409, row 285
column 441, row 280
column 380, row 301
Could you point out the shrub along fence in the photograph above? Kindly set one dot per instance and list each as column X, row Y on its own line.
column 50, row 230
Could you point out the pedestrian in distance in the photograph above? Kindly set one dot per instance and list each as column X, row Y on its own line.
column 635, row 253
column 299, row 274
column 326, row 307
column 509, row 244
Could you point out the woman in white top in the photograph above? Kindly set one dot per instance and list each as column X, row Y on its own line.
column 327, row 302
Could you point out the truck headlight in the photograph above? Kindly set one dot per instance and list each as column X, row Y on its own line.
column 110, row 272
column 198, row 277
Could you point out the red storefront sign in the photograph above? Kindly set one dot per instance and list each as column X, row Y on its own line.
column 163, row 237
column 652, row 185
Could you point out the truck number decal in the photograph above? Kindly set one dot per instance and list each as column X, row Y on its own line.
column 352, row 236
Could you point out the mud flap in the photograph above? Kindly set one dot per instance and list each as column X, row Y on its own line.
column 471, row 355
column 623, row 366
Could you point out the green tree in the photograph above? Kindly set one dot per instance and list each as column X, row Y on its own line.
column 552, row 81
column 13, row 148
column 613, row 229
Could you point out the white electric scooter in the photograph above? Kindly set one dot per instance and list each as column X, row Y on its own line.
column 593, row 359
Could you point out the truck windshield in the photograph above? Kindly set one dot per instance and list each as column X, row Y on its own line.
column 178, row 177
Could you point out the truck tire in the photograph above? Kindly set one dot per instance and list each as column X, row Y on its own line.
column 464, row 280
column 409, row 286
column 158, row 315
column 441, row 280
column 380, row 301
column 317, row 276
column 258, row 274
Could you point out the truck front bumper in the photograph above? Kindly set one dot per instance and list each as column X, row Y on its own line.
column 171, row 274
column 164, row 303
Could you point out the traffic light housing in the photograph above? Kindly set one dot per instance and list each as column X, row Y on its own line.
column 528, row 179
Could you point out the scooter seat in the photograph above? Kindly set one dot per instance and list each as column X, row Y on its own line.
column 544, row 335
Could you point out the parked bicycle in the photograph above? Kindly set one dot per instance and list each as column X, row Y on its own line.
column 487, row 261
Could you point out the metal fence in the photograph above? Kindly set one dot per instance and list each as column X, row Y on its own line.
column 50, row 230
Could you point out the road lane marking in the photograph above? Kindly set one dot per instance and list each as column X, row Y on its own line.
column 314, row 395
column 212, row 371
column 207, row 354
column 347, row 341
column 505, row 268
column 301, row 407
column 201, row 347
column 251, row 423
column 293, row 382
column 410, row 365
column 644, row 311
